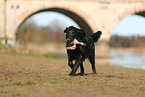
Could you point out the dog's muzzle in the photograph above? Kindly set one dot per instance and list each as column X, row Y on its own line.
column 69, row 42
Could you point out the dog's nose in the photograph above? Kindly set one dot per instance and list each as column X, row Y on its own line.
column 67, row 40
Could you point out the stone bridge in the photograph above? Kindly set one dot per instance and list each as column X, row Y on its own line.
column 91, row 15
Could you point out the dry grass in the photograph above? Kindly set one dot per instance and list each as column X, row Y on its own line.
column 37, row 76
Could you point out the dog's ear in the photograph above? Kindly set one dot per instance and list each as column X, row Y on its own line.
column 82, row 33
column 65, row 31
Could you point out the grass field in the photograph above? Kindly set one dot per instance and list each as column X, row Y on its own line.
column 39, row 76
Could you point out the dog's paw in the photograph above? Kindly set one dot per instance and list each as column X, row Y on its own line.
column 80, row 74
column 94, row 73
column 72, row 74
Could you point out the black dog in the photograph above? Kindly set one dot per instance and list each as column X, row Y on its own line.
column 85, row 49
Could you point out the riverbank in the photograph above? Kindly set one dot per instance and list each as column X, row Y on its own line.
column 39, row 76
column 131, row 49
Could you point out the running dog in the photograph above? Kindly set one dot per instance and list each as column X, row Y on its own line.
column 80, row 46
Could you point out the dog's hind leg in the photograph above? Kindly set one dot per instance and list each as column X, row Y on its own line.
column 82, row 69
column 92, row 61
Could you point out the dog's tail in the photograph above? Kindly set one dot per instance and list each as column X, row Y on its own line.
column 96, row 36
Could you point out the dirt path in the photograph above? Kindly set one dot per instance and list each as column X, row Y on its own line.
column 34, row 76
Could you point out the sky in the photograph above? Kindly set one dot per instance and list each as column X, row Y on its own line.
column 46, row 18
column 130, row 25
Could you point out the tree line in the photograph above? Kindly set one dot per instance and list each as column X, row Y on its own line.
column 31, row 33
column 127, row 41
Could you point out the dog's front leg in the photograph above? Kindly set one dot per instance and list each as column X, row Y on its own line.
column 77, row 64
column 70, row 64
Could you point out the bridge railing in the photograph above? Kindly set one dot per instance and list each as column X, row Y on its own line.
column 101, row 1
column 104, row 1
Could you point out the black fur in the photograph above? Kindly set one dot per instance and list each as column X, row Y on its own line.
column 96, row 36
column 81, row 52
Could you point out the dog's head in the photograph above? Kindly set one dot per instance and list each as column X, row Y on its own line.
column 73, row 33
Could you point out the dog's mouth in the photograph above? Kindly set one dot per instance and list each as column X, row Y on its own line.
column 69, row 42
column 72, row 45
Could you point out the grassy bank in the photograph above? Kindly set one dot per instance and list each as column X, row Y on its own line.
column 35, row 76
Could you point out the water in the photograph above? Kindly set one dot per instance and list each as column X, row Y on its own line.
column 128, row 59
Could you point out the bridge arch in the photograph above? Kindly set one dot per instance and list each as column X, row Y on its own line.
column 78, row 19
column 136, row 13
column 135, row 9
column 138, row 9
column 141, row 13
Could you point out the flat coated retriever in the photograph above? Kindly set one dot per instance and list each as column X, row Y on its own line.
column 79, row 47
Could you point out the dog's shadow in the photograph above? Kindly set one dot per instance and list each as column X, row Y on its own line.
column 86, row 74
column 101, row 75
